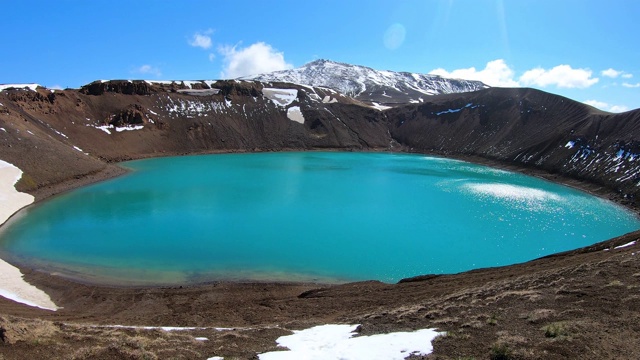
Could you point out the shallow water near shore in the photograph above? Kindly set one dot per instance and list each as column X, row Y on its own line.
column 304, row 216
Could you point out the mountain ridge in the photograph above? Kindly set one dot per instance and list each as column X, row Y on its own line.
column 389, row 88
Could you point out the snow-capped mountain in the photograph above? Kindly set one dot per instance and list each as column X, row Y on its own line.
column 366, row 84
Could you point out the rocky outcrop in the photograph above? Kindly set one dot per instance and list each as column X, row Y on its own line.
column 126, row 87
column 132, row 115
column 244, row 88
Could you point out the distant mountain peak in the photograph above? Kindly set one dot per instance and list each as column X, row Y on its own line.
column 367, row 84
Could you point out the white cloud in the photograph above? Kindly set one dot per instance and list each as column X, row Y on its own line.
column 618, row 108
column 148, row 69
column 615, row 73
column 255, row 59
column 606, row 107
column 212, row 56
column 562, row 76
column 597, row 104
column 610, row 72
column 495, row 73
column 201, row 39
column 55, row 87
column 498, row 73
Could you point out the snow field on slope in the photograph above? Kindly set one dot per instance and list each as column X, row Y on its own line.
column 338, row 342
column 281, row 97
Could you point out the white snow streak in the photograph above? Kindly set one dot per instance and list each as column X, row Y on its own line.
column 379, row 107
column 129, row 128
column 625, row 245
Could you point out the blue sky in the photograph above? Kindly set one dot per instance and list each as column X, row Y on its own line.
column 586, row 50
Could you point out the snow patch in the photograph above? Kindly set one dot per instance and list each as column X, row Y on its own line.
column 625, row 245
column 379, row 107
column 337, row 342
column 108, row 128
column 59, row 133
column 329, row 100
column 281, row 97
column 12, row 285
column 191, row 108
column 129, row 128
column 10, row 198
column 163, row 82
column 104, row 128
column 294, row 114
column 570, row 144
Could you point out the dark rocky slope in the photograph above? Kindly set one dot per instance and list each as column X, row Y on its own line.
column 528, row 128
column 61, row 135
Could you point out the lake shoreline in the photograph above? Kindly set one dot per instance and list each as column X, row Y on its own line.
column 114, row 170
column 104, row 273
column 440, row 301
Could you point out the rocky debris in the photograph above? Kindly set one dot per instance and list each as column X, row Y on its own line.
column 14, row 329
column 132, row 115
column 22, row 96
column 244, row 88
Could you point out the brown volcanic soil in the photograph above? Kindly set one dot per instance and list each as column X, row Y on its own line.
column 581, row 304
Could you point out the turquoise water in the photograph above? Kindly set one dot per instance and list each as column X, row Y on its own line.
column 305, row 216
